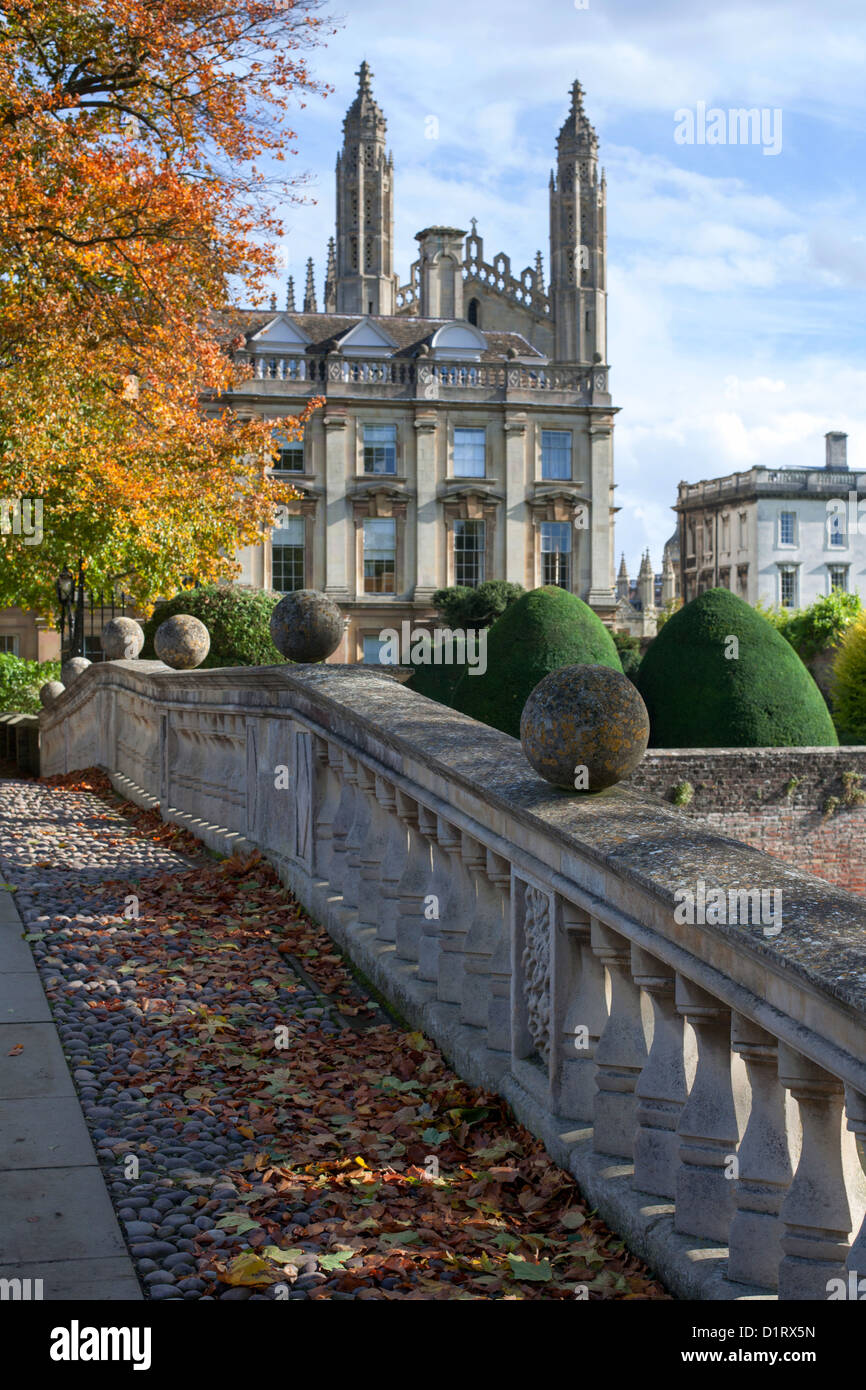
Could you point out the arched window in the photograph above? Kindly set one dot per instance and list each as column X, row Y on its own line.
column 473, row 314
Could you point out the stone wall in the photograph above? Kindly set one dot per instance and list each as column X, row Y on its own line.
column 801, row 804
column 537, row 936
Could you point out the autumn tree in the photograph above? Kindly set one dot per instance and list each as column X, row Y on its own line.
column 138, row 144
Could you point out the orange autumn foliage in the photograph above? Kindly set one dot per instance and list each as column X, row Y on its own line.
column 137, row 144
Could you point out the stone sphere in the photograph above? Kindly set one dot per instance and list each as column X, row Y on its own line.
column 306, row 626
column 122, row 639
column 49, row 691
column 584, row 727
column 72, row 669
column 182, row 642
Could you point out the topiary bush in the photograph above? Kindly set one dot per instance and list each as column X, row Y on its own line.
column 628, row 649
column 704, row 691
column 438, row 682
column 20, row 682
column 237, row 618
column 545, row 629
column 478, row 607
column 849, row 684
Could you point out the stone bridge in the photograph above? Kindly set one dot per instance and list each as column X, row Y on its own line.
column 704, row 1081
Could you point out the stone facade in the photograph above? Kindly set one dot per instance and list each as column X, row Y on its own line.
column 783, row 537
column 467, row 430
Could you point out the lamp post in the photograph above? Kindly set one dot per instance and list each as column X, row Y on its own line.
column 65, row 586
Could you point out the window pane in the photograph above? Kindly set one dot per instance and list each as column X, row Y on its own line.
column 786, row 528
column 839, row 577
column 373, row 652
column 287, row 565
column 469, row 541
column 555, row 454
column 837, row 529
column 380, row 448
column 289, row 458
column 469, row 453
column 556, row 553
column 289, row 530
column 789, row 588
column 380, row 551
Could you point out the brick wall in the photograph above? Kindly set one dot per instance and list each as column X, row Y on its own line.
column 749, row 794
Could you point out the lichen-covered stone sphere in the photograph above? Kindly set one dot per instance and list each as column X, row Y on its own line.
column 584, row 727
column 182, row 642
column 122, row 639
column 49, row 692
column 72, row 669
column 306, row 626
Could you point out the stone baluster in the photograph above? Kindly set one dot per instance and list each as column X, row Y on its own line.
column 484, row 933
column 498, row 872
column 393, row 860
column 824, row 1202
column 357, row 836
column 414, row 885
column 578, row 1013
column 708, row 1128
column 856, row 1112
column 438, row 904
column 621, row 1051
column 372, row 856
column 328, row 798
column 764, row 1156
column 455, row 926
column 661, row 1089
column 341, row 876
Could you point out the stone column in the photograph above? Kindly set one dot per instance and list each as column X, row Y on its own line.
column 338, row 529
column 393, row 860
column 517, row 526
column 414, row 883
column 601, row 586
column 426, row 510
column 454, row 927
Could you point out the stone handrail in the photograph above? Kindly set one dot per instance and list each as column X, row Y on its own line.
column 705, row 1084
column 281, row 372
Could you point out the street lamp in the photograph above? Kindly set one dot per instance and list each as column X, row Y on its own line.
column 65, row 588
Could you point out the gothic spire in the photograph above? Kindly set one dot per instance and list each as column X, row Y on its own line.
column 290, row 296
column 331, row 278
column 310, row 306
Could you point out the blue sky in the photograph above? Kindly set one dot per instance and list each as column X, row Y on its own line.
column 736, row 280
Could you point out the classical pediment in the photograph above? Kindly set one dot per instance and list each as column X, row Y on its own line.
column 458, row 340
column 281, row 332
column 366, row 338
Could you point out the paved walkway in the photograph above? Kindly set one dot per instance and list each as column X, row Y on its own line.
column 57, row 1223
column 262, row 1129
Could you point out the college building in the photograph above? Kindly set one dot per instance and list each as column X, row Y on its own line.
column 781, row 536
column 467, row 428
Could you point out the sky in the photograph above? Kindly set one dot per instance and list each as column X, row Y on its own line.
column 736, row 278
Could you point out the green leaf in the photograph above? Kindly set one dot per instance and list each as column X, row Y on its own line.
column 335, row 1260
column 399, row 1238
column 238, row 1222
column 283, row 1257
column 535, row 1274
column 435, row 1136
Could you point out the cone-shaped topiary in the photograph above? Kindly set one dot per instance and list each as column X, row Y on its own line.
column 849, row 684
column 544, row 630
column 720, row 676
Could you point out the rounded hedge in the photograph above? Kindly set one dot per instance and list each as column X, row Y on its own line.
column 704, row 691
column 542, row 631
column 849, row 684
column 237, row 618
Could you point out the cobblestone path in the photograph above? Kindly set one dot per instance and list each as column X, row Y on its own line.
column 265, row 1131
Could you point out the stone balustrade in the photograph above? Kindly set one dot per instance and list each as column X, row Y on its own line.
column 284, row 373
column 705, row 1083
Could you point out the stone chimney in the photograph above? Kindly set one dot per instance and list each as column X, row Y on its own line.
column 441, row 256
column 837, row 451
